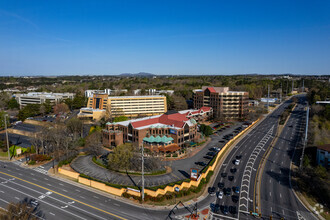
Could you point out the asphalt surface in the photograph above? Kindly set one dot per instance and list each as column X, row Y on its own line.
column 180, row 168
column 277, row 197
column 60, row 199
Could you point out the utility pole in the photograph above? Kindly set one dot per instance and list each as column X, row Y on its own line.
column 303, row 86
column 292, row 87
column 287, row 87
column 281, row 94
column 142, row 193
column 268, row 100
column 305, row 139
column 7, row 136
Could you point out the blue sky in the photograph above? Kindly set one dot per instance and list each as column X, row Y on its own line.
column 164, row 37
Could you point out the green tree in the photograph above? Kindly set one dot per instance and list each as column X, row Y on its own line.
column 120, row 118
column 2, row 119
column 321, row 172
column 121, row 157
column 306, row 161
column 28, row 111
column 13, row 104
column 47, row 106
column 79, row 101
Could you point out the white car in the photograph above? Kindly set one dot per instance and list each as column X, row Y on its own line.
column 237, row 162
column 220, row 195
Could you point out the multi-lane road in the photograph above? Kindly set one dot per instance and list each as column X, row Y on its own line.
column 277, row 198
column 60, row 199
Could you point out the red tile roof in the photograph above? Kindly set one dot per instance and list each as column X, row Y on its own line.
column 211, row 89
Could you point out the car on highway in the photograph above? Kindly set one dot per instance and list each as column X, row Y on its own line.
column 217, row 208
column 221, row 185
column 236, row 189
column 232, row 210
column 220, row 194
column 34, row 203
column 230, row 178
column 227, row 191
column 211, row 191
column 223, row 175
column 233, row 170
column 225, row 210
column 201, row 163
column 234, row 198
column 237, row 162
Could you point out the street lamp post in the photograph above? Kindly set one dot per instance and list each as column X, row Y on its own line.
column 7, row 136
column 142, row 193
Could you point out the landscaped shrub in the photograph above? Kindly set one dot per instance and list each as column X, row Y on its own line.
column 175, row 155
column 32, row 162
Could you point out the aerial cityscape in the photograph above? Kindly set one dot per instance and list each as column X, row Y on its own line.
column 164, row 110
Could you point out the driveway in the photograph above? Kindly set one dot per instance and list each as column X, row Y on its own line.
column 180, row 168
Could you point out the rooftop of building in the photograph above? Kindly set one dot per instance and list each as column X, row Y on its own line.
column 217, row 90
column 136, row 97
column 171, row 119
column 43, row 94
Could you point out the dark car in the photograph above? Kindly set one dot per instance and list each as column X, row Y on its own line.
column 208, row 157
column 225, row 209
column 230, row 178
column 211, row 153
column 234, row 198
column 232, row 210
column 233, row 170
column 227, row 191
column 216, row 208
column 221, row 185
column 238, row 157
column 212, row 149
column 236, row 189
column 223, row 175
column 200, row 164
column 211, row 191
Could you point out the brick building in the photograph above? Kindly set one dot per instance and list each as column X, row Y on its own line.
column 225, row 104
column 157, row 132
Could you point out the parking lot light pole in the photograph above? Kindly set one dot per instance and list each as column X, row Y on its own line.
column 5, row 116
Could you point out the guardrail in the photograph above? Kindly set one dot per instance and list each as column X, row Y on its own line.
column 133, row 192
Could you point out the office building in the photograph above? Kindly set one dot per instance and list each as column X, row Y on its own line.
column 41, row 97
column 130, row 106
column 226, row 105
column 167, row 132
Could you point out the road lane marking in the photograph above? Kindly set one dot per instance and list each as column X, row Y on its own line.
column 116, row 204
column 52, row 213
column 93, row 207
column 42, row 201
column 280, row 195
column 270, row 193
column 16, row 198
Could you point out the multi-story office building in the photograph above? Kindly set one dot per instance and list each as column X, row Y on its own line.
column 41, row 97
column 229, row 105
column 130, row 106
column 166, row 132
column 89, row 93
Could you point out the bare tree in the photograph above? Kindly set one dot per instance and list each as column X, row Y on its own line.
column 21, row 211
column 75, row 127
column 39, row 140
column 94, row 143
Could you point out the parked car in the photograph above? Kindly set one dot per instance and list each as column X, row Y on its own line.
column 208, row 157
column 230, row 178
column 234, row 198
column 227, row 191
column 238, row 157
column 216, row 208
column 201, row 164
column 211, row 153
column 237, row 162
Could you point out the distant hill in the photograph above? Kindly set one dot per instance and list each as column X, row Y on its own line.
column 140, row 74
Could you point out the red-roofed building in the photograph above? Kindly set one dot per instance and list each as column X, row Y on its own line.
column 229, row 105
column 161, row 130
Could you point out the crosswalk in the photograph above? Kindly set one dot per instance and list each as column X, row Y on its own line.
column 40, row 170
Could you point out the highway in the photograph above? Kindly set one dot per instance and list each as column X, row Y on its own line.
column 251, row 149
column 277, row 198
column 65, row 200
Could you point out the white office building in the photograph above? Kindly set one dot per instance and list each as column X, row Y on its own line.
column 41, row 97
